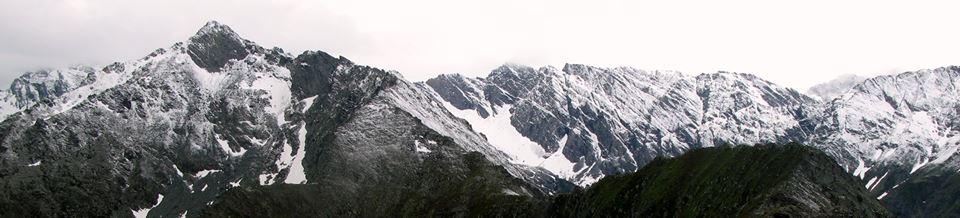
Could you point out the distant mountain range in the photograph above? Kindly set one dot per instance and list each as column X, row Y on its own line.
column 836, row 87
column 217, row 124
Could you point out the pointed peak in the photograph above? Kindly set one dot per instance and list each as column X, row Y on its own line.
column 511, row 68
column 514, row 66
column 212, row 23
column 573, row 68
column 214, row 30
column 215, row 44
column 214, row 27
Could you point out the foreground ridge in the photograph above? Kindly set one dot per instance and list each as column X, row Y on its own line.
column 768, row 181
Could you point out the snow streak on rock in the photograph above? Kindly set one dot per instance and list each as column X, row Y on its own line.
column 226, row 110
column 296, row 175
column 587, row 122
column 895, row 124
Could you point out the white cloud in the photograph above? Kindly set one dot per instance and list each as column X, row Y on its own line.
column 797, row 44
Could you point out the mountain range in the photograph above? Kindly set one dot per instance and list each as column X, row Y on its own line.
column 217, row 119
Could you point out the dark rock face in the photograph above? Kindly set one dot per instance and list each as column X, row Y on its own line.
column 932, row 192
column 383, row 162
column 339, row 94
column 464, row 95
column 313, row 73
column 214, row 45
column 763, row 181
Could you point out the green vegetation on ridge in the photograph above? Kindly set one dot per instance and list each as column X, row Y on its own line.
column 768, row 180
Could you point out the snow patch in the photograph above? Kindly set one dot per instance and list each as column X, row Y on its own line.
column 225, row 146
column 877, row 183
column 888, row 153
column 861, row 170
column 278, row 90
column 870, row 183
column 296, row 174
column 210, row 81
column 877, row 154
column 204, row 173
column 920, row 163
column 502, row 135
column 286, row 156
column 179, row 173
column 948, row 152
column 308, row 102
column 587, row 180
column 420, row 148
column 141, row 213
column 35, row 163
column 266, row 178
column 558, row 163
column 510, row 192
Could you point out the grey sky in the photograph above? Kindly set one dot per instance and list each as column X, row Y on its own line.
column 796, row 44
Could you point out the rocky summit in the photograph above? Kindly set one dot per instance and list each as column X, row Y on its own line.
column 217, row 125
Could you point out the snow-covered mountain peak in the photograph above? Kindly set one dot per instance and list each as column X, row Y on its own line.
column 836, row 87
column 34, row 86
column 728, row 75
column 217, row 29
column 887, row 127
column 514, row 71
column 915, row 90
column 217, row 111
column 584, row 122
column 215, row 44
column 511, row 67
column 766, row 91
column 736, row 76
column 568, row 67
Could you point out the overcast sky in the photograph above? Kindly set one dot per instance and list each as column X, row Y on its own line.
column 795, row 44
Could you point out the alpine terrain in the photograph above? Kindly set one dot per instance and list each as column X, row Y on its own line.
column 217, row 125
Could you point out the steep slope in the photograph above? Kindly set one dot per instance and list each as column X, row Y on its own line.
column 64, row 87
column 168, row 127
column 585, row 122
column 382, row 162
column 889, row 129
column 372, row 153
column 763, row 181
column 930, row 192
column 176, row 129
